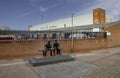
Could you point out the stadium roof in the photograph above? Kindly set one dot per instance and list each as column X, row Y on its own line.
column 86, row 27
column 67, row 29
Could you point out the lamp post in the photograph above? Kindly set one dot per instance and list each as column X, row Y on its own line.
column 72, row 43
column 72, row 19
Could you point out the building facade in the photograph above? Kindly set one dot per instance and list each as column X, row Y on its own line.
column 98, row 16
column 4, row 28
column 66, row 22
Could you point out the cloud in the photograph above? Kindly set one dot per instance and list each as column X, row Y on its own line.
column 38, row 8
column 27, row 13
column 44, row 9
column 111, row 7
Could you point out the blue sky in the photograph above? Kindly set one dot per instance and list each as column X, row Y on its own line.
column 18, row 14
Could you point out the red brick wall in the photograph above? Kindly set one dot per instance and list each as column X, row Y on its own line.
column 19, row 48
column 9, row 49
column 114, row 39
column 89, row 44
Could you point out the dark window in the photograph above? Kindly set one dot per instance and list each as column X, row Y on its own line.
column 53, row 36
column 44, row 36
column 67, row 35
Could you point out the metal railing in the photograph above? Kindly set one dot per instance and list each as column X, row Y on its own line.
column 28, row 35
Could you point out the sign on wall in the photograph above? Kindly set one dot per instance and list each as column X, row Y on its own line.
column 108, row 33
column 96, row 29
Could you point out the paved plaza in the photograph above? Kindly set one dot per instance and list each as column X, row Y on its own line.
column 90, row 64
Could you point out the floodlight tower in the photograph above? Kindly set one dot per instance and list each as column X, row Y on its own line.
column 99, row 16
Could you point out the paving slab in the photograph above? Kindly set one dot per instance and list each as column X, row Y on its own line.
column 16, row 68
column 64, row 70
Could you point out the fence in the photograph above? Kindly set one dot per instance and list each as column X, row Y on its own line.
column 34, row 35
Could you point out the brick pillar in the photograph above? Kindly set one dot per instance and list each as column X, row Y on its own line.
column 41, row 35
column 62, row 35
column 48, row 35
column 58, row 35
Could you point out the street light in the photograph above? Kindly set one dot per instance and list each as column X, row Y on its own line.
column 72, row 19
column 72, row 43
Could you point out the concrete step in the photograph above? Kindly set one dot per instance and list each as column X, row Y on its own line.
column 39, row 61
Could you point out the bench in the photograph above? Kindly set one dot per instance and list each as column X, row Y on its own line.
column 45, row 53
